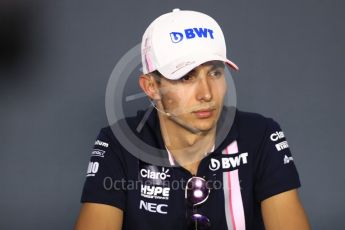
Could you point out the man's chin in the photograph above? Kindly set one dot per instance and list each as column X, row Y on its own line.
column 205, row 127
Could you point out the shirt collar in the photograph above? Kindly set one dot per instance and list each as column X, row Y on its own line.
column 172, row 160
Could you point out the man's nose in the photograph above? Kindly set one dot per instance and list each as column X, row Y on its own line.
column 204, row 91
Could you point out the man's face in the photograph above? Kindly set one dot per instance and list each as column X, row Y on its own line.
column 197, row 98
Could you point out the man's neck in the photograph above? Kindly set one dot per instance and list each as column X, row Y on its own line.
column 186, row 147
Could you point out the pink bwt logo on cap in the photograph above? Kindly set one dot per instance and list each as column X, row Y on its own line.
column 191, row 33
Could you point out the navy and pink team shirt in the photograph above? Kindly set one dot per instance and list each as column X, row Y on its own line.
column 251, row 164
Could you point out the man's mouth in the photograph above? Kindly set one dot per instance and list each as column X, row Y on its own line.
column 204, row 113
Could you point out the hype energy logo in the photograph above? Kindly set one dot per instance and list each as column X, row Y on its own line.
column 191, row 33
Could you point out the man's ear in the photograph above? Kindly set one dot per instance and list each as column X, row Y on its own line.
column 149, row 86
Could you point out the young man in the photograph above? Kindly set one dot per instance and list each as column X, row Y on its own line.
column 245, row 180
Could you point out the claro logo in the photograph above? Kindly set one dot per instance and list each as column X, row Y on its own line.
column 277, row 135
column 147, row 173
column 228, row 162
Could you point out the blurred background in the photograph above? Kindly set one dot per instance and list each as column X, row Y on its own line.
column 56, row 58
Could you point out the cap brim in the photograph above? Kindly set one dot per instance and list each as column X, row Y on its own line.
column 182, row 66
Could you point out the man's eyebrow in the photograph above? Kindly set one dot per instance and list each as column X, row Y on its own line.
column 213, row 66
column 216, row 64
column 190, row 72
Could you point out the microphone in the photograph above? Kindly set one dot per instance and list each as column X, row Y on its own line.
column 159, row 110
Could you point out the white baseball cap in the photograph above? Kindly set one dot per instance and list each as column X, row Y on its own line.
column 177, row 42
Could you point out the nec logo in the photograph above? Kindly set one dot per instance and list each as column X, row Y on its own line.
column 153, row 207
column 191, row 33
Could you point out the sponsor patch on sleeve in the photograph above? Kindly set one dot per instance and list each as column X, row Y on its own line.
column 101, row 143
column 97, row 153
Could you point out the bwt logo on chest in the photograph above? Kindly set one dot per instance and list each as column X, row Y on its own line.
column 191, row 33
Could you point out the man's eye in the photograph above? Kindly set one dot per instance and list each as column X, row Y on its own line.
column 216, row 73
column 187, row 77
